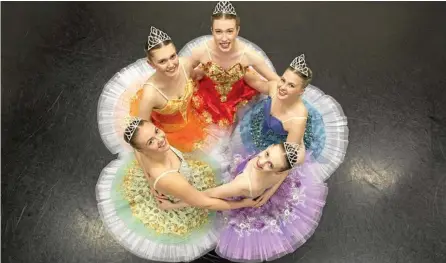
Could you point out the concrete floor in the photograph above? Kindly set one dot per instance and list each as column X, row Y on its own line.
column 385, row 63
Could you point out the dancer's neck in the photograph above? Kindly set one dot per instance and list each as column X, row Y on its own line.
column 265, row 179
column 167, row 81
column 288, row 103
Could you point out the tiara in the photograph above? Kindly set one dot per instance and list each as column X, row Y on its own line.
column 292, row 152
column 132, row 124
column 156, row 37
column 224, row 7
column 300, row 65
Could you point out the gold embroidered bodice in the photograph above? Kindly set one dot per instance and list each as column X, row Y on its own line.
column 176, row 222
column 178, row 105
column 224, row 79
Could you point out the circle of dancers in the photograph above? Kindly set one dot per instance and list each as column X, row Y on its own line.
column 216, row 150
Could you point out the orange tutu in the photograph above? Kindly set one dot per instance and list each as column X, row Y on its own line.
column 184, row 130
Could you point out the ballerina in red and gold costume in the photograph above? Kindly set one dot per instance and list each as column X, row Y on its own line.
column 224, row 59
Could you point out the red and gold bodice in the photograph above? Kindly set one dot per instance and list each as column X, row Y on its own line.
column 221, row 92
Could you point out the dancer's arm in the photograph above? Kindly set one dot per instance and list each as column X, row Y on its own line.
column 175, row 185
column 197, row 73
column 197, row 56
column 261, row 200
column 237, row 187
column 296, row 131
column 259, row 64
column 147, row 104
column 254, row 80
column 194, row 72
column 295, row 125
column 232, row 189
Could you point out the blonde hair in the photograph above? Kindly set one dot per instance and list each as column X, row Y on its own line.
column 160, row 45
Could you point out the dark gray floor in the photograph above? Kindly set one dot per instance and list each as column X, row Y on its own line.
column 384, row 62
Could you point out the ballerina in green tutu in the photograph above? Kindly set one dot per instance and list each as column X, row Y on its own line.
column 135, row 190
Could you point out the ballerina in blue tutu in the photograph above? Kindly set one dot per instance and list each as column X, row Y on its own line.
column 294, row 111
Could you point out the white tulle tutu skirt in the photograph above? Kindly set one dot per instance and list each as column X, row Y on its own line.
column 114, row 104
column 131, row 215
column 326, row 134
column 115, row 99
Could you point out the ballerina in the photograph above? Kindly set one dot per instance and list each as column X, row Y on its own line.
column 134, row 191
column 162, row 95
column 224, row 59
column 294, row 111
column 289, row 217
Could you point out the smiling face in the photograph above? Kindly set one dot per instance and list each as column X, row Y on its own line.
column 272, row 159
column 290, row 85
column 164, row 59
column 225, row 29
column 150, row 138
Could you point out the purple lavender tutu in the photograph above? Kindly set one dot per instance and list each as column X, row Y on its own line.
column 281, row 225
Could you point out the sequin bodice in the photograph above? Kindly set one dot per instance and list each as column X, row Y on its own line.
column 179, row 105
column 184, row 170
column 177, row 223
column 259, row 129
column 183, row 127
column 224, row 79
column 221, row 93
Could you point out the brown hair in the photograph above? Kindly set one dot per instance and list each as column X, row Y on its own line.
column 135, row 133
column 160, row 45
column 306, row 79
column 225, row 16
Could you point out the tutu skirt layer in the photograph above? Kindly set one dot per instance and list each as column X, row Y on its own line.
column 326, row 134
column 280, row 226
column 130, row 213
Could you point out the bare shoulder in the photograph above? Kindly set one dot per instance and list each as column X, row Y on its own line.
column 272, row 87
column 251, row 56
column 241, row 184
column 161, row 171
column 299, row 111
column 172, row 183
column 148, row 91
column 187, row 64
column 150, row 94
column 198, row 52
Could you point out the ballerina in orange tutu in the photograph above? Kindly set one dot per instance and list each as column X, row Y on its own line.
column 224, row 61
column 165, row 98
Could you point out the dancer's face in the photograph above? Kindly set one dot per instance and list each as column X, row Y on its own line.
column 165, row 60
column 272, row 159
column 151, row 138
column 290, row 85
column 225, row 31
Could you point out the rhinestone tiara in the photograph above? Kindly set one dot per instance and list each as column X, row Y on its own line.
column 299, row 64
column 132, row 124
column 292, row 152
column 224, row 7
column 156, row 37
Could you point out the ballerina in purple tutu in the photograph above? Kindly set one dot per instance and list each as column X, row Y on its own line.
column 286, row 220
